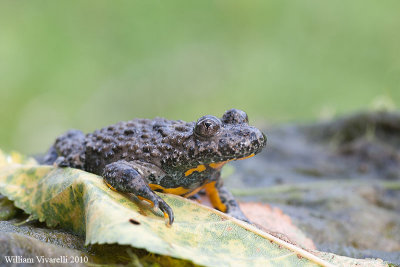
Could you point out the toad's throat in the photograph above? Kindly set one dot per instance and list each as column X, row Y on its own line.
column 218, row 165
column 213, row 165
column 186, row 192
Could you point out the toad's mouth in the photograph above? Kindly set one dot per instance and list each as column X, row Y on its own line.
column 213, row 165
column 247, row 157
column 218, row 165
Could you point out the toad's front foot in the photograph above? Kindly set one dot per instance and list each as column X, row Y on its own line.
column 123, row 177
column 238, row 214
column 224, row 201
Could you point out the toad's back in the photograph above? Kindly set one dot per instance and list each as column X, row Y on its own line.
column 140, row 139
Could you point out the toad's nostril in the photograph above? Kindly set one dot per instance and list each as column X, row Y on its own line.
column 258, row 138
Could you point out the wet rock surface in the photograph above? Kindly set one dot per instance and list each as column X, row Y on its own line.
column 339, row 181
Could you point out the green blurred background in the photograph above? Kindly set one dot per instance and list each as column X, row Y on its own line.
column 86, row 64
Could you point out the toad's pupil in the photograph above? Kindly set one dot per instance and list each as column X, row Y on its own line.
column 207, row 124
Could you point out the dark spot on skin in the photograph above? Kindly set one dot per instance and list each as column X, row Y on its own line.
column 133, row 146
column 132, row 221
column 181, row 128
column 107, row 139
column 129, row 131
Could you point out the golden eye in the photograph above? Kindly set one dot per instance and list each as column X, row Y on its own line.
column 207, row 126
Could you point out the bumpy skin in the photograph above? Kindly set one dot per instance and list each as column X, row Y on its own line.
column 177, row 157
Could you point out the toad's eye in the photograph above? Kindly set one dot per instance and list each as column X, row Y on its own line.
column 235, row 116
column 207, row 126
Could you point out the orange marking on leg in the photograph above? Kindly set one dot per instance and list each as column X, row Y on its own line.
column 175, row 191
column 213, row 195
column 166, row 217
column 109, row 186
column 199, row 168
column 194, row 192
column 147, row 200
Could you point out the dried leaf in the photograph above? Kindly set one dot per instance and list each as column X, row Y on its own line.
column 275, row 222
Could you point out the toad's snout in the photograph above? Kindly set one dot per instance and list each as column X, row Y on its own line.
column 258, row 140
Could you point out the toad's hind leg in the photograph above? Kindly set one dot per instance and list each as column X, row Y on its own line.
column 123, row 177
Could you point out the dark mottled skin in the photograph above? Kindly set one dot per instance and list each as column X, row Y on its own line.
column 133, row 154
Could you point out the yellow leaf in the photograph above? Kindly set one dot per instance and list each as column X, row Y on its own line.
column 80, row 202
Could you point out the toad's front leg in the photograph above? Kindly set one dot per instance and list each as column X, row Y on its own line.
column 223, row 200
column 123, row 176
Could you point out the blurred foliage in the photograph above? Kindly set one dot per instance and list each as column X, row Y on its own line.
column 87, row 64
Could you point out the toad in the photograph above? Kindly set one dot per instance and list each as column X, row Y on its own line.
column 171, row 156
